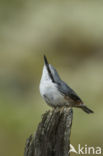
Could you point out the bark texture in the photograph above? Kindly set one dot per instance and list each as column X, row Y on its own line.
column 52, row 137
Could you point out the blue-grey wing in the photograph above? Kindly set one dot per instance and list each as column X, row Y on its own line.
column 67, row 91
column 62, row 86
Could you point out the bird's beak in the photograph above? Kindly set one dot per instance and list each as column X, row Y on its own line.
column 46, row 61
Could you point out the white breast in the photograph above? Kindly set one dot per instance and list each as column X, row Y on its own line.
column 49, row 91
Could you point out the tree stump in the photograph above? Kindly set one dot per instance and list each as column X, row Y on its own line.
column 52, row 137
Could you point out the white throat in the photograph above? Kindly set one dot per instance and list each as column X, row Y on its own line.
column 45, row 75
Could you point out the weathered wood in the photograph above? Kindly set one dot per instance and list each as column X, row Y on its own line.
column 52, row 137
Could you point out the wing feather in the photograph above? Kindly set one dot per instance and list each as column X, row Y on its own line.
column 65, row 90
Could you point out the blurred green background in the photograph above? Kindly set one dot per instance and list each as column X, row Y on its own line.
column 70, row 33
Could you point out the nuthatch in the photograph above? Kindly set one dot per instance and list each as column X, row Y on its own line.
column 56, row 92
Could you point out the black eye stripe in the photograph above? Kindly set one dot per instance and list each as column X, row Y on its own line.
column 50, row 74
column 48, row 69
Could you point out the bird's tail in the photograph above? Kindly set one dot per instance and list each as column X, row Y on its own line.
column 86, row 109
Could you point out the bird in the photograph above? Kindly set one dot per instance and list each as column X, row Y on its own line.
column 56, row 92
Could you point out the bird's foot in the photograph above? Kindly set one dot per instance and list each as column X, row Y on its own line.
column 61, row 109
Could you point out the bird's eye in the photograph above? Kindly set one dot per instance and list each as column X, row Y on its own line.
column 59, row 83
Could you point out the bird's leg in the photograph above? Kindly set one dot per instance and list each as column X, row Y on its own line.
column 55, row 109
column 61, row 109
